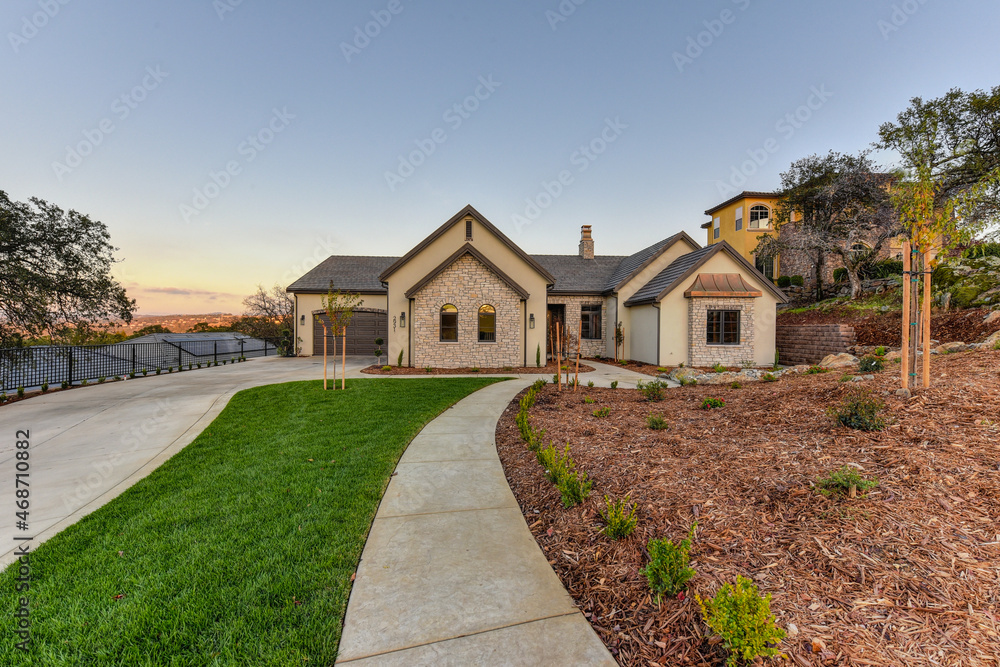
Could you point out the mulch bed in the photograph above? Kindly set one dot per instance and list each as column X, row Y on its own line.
column 887, row 328
column 520, row 370
column 905, row 576
column 634, row 366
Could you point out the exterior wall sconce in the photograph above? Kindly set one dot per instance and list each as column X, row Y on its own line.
column 531, row 321
column 402, row 320
column 302, row 320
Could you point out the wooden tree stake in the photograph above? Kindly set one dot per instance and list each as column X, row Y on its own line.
column 343, row 375
column 558, row 359
column 579, row 344
column 324, row 356
column 927, row 321
column 905, row 349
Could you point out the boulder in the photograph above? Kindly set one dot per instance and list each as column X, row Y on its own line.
column 892, row 355
column 992, row 340
column 842, row 360
column 993, row 318
column 720, row 378
column 679, row 374
column 798, row 370
column 948, row 348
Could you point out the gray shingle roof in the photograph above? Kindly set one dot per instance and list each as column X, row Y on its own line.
column 669, row 275
column 632, row 263
column 348, row 272
column 575, row 274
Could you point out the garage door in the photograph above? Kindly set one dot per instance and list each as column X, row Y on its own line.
column 365, row 327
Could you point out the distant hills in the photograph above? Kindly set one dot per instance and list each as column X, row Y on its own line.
column 178, row 323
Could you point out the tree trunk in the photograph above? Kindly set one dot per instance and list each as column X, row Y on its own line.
column 819, row 275
column 855, row 280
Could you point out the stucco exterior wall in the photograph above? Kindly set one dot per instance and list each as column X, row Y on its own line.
column 745, row 240
column 467, row 284
column 306, row 304
column 643, row 333
column 439, row 250
column 574, row 306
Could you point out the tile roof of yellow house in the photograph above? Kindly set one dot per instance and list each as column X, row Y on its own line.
column 739, row 221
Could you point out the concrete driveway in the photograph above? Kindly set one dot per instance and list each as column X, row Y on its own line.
column 88, row 445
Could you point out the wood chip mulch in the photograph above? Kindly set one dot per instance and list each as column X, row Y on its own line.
column 909, row 575
column 634, row 366
column 520, row 370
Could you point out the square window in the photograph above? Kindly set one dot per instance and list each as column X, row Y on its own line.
column 723, row 327
column 591, row 318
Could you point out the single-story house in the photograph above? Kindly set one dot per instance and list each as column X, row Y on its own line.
column 467, row 295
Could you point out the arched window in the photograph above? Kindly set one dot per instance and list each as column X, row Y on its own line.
column 859, row 250
column 449, row 323
column 487, row 324
column 760, row 217
column 765, row 266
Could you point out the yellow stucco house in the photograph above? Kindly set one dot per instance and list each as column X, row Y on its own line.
column 467, row 295
column 740, row 221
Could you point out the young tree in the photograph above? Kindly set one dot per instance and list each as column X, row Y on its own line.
column 55, row 272
column 339, row 307
column 831, row 206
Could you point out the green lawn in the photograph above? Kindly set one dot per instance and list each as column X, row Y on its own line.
column 239, row 550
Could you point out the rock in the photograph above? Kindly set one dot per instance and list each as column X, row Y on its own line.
column 992, row 340
column 868, row 377
column 892, row 355
column 842, row 360
column 793, row 630
column 903, row 393
column 993, row 318
column 948, row 348
column 679, row 374
column 798, row 370
column 720, row 378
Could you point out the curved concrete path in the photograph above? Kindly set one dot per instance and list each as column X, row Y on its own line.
column 90, row 444
column 450, row 574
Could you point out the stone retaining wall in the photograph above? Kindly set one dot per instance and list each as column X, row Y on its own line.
column 809, row 343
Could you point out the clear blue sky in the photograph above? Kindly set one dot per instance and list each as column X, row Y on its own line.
column 329, row 122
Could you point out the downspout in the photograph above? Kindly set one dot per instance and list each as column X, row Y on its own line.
column 524, row 331
column 659, row 314
column 409, row 333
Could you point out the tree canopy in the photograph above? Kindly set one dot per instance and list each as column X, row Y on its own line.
column 55, row 272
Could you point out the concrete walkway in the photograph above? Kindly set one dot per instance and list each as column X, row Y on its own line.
column 90, row 444
column 450, row 574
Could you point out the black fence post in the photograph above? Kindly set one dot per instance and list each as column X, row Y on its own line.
column 241, row 348
column 70, row 367
column 133, row 358
column 215, row 351
column 180, row 355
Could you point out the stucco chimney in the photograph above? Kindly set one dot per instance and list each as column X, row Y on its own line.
column 586, row 243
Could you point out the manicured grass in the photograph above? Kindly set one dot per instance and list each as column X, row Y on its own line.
column 239, row 550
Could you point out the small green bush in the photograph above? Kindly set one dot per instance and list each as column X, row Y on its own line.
column 574, row 487
column 198, row 365
column 798, row 281
column 3, row 397
column 623, row 363
column 748, row 364
column 743, row 619
column 399, row 360
column 101, row 380
column 860, row 410
column 768, row 377
column 660, row 369
column 158, row 370
column 784, row 281
column 590, row 383
column 84, row 382
column 536, row 439
column 64, row 385
column 880, row 351
column 20, row 392
column 669, row 567
column 619, row 517
column 657, row 422
column 871, row 365
column 712, row 403
column 45, row 386
column 600, row 413
column 846, row 377
column 555, row 379
column 552, row 462
column 652, row 391
column 132, row 375
column 996, row 345
column 508, row 369
column 429, row 369
column 539, row 383
column 117, row 378
column 688, row 382
column 841, row 481
column 538, row 356
column 474, row 369
column 839, row 274
column 614, row 384
column 736, row 385
column 588, row 400
column 719, row 368
column 816, row 370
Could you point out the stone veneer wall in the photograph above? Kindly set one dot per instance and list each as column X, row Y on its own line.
column 467, row 284
column 574, row 306
column 700, row 353
column 809, row 343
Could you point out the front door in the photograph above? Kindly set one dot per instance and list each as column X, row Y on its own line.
column 556, row 314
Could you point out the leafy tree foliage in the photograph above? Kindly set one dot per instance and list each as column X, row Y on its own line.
column 268, row 314
column 55, row 272
column 830, row 206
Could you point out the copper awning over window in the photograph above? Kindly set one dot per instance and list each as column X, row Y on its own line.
column 721, row 285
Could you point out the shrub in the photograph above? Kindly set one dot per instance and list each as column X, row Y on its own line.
column 3, row 397
column 768, row 377
column 132, row 375
column 614, row 383
column 886, row 268
column 798, row 281
column 623, row 363
column 538, row 384
column 399, row 359
column 45, row 386
column 982, row 250
column 669, row 567
column 84, row 382
column 588, row 400
column 553, row 463
column 871, row 365
column 845, row 481
column 619, row 517
column 859, row 410
column 573, row 486
column 839, row 274
column 191, row 366
column 748, row 364
column 20, row 392
column 653, row 391
column 158, row 370
column 661, row 369
column 508, row 369
column 996, row 345
column 784, row 281
column 688, row 382
column 101, row 380
column 657, row 422
column 474, row 369
column 385, row 368
column 555, row 379
column 117, row 378
column 198, row 364
column 743, row 619
column 880, row 351
column 736, row 385
column 600, row 413
column 535, row 439
column 846, row 377
column 428, row 369
column 64, row 385
column 719, row 368
column 816, row 370
column 712, row 403
column 776, row 358
column 590, row 383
